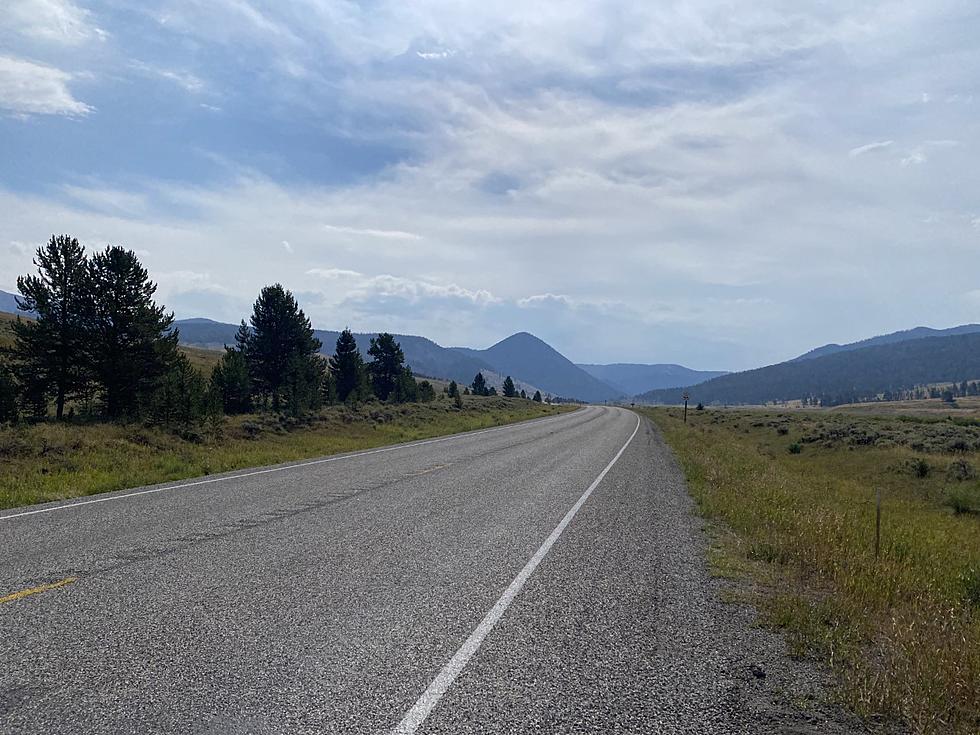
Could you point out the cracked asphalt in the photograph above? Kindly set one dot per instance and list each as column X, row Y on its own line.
column 324, row 598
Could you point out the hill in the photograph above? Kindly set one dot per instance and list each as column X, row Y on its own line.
column 842, row 377
column 535, row 361
column 633, row 379
column 424, row 356
column 887, row 339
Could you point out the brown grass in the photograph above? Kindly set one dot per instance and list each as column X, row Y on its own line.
column 901, row 631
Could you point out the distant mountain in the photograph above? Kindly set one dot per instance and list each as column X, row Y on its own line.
column 633, row 379
column 8, row 303
column 423, row 355
column 526, row 357
column 886, row 339
column 843, row 377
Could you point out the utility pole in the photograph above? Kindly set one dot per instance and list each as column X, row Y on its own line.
column 686, row 398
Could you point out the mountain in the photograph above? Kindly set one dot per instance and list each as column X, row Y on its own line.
column 633, row 379
column 423, row 355
column 8, row 303
column 525, row 356
column 886, row 339
column 843, row 377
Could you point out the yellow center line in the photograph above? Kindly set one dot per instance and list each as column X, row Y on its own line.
column 35, row 590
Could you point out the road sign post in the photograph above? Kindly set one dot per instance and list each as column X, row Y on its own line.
column 686, row 398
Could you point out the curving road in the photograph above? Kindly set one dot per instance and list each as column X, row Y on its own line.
column 542, row 577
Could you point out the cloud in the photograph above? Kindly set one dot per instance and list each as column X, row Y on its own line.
column 27, row 88
column 53, row 21
column 370, row 232
column 189, row 82
column 868, row 148
column 287, row 247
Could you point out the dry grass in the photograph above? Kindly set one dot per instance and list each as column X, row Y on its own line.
column 901, row 631
column 51, row 461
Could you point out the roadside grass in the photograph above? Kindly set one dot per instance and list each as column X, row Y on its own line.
column 902, row 632
column 51, row 461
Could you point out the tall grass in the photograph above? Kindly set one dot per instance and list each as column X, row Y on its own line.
column 51, row 461
column 902, row 631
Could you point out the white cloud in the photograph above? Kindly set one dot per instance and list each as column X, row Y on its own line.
column 189, row 82
column 287, row 247
column 868, row 148
column 372, row 232
column 27, row 88
column 54, row 21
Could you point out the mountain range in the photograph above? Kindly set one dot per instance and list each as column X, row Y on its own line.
column 844, row 376
column 835, row 373
column 887, row 339
column 631, row 379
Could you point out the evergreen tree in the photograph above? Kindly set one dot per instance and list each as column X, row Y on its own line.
column 132, row 343
column 347, row 368
column 453, row 389
column 180, row 397
column 509, row 389
column 537, row 396
column 406, row 387
column 281, row 351
column 50, row 351
column 479, row 386
column 387, row 365
column 8, row 395
column 523, row 394
column 491, row 392
column 230, row 382
column 426, row 393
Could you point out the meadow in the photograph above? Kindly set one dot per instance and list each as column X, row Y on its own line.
column 47, row 461
column 791, row 502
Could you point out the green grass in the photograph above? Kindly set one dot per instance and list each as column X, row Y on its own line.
column 792, row 498
column 50, row 461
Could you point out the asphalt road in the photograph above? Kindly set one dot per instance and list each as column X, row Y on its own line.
column 468, row 584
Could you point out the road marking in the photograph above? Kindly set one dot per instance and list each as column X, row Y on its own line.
column 414, row 718
column 309, row 463
column 36, row 590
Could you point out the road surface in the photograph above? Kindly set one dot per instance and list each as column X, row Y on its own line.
column 542, row 577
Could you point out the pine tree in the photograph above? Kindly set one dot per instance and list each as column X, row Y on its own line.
column 132, row 340
column 8, row 395
column 537, row 396
column 347, row 368
column 509, row 389
column 479, row 386
column 406, row 387
column 426, row 393
column 50, row 350
column 230, row 381
column 281, row 351
column 387, row 365
column 453, row 389
column 523, row 394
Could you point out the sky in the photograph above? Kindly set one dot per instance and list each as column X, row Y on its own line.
column 717, row 184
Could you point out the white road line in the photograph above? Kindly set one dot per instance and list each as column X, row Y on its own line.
column 239, row 476
column 430, row 697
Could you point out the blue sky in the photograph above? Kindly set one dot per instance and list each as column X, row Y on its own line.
column 721, row 185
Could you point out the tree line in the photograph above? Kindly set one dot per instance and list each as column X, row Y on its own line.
column 98, row 344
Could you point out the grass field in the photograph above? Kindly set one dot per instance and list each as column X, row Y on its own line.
column 791, row 498
column 50, row 461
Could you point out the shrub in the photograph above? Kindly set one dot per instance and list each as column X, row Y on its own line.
column 960, row 470
column 962, row 500
column 794, row 448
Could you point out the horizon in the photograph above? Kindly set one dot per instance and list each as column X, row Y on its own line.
column 641, row 185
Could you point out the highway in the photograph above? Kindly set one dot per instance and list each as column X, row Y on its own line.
column 543, row 577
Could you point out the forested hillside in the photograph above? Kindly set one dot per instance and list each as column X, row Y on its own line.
column 843, row 377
